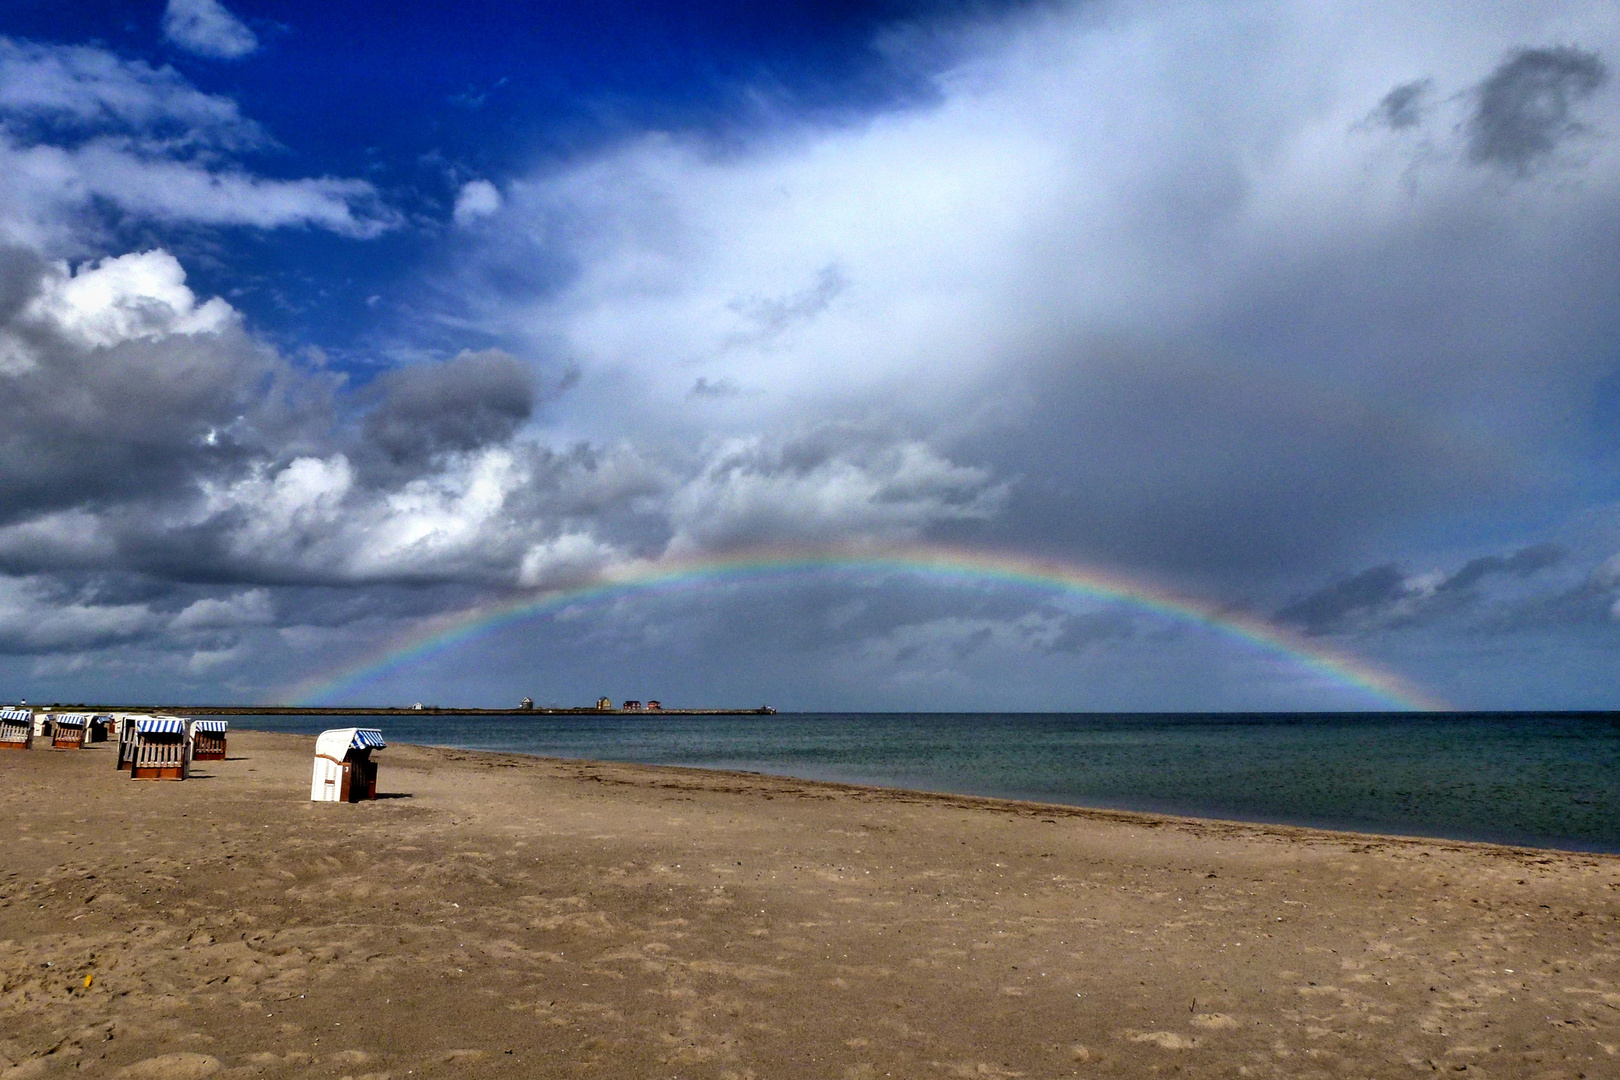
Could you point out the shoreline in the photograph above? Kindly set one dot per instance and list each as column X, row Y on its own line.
column 1520, row 839
column 1031, row 807
column 564, row 918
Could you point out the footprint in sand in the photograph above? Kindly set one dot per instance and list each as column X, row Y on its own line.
column 171, row 1067
column 1214, row 1021
column 1164, row 1040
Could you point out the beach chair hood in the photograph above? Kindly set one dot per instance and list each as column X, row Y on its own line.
column 71, row 719
column 160, row 725
column 338, row 742
column 209, row 725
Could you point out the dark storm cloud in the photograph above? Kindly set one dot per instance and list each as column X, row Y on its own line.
column 1324, row 611
column 1404, row 106
column 142, row 430
column 83, row 423
column 1521, row 564
column 1161, row 459
column 425, row 410
column 1385, row 596
column 1525, row 109
column 1076, row 633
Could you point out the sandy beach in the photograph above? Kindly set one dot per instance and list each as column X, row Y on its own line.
column 505, row 915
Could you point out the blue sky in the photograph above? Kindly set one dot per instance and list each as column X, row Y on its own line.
column 324, row 325
column 420, row 100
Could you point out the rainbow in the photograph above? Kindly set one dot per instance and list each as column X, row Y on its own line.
column 949, row 566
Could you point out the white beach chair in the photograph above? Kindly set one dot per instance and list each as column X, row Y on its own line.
column 344, row 771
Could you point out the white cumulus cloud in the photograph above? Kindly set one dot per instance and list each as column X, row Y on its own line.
column 476, row 199
column 140, row 295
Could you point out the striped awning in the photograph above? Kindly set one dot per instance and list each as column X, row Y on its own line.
column 160, row 725
column 16, row 714
column 209, row 725
column 71, row 719
column 367, row 739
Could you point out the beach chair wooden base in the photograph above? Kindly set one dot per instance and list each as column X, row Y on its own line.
column 208, row 747
column 156, row 772
column 160, row 758
column 67, row 739
column 14, row 746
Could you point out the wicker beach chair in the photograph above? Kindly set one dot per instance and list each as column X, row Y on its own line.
column 344, row 771
column 208, row 740
column 162, row 749
column 70, row 731
column 16, row 729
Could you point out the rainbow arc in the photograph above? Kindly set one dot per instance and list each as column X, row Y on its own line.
column 944, row 565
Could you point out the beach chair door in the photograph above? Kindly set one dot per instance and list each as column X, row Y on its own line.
column 359, row 777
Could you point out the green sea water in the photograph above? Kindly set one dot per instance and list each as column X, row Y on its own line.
column 1543, row 780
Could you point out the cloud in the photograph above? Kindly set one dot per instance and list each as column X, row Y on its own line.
column 772, row 315
column 1196, row 314
column 76, row 89
column 476, row 199
column 204, row 27
column 1384, row 596
column 38, row 616
column 1404, row 106
column 476, row 399
column 830, row 483
column 1326, row 610
column 1521, row 563
column 1524, row 108
column 250, row 608
column 89, row 140
column 126, row 298
column 51, row 188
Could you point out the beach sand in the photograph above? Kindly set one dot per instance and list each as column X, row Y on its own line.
column 508, row 915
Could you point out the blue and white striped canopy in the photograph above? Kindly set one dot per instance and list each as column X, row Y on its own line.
column 160, row 725
column 71, row 719
column 367, row 739
column 16, row 714
column 208, row 725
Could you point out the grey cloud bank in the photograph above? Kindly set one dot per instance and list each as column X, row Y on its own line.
column 1246, row 300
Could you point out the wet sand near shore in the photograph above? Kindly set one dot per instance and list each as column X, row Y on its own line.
column 509, row 915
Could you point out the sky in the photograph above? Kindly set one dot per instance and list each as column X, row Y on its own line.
column 373, row 354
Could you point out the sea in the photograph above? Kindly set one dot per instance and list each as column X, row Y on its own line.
column 1541, row 780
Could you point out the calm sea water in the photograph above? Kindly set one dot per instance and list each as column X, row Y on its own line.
column 1543, row 780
